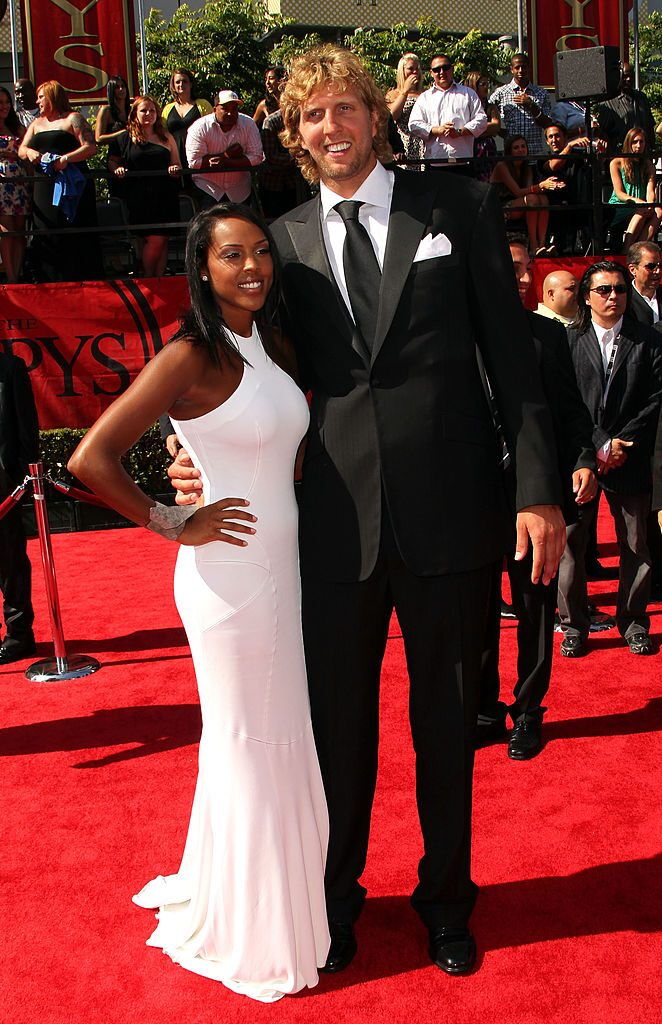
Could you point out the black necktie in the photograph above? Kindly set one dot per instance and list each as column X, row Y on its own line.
column 362, row 274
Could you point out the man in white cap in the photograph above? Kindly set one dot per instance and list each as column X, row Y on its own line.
column 223, row 145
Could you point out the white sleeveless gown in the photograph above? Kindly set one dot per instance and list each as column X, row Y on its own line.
column 247, row 905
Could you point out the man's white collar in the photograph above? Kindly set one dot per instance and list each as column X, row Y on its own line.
column 374, row 191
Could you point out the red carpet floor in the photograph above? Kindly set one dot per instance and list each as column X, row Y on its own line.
column 98, row 777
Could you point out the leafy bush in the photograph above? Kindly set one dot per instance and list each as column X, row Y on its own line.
column 146, row 462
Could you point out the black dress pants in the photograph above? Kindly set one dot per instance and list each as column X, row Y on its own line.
column 345, row 628
column 535, row 607
column 15, row 579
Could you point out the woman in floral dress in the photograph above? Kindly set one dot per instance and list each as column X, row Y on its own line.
column 14, row 194
column 408, row 87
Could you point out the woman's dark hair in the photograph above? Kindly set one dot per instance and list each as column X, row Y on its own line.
column 11, row 121
column 203, row 324
column 522, row 173
column 115, row 113
column 582, row 321
column 271, row 101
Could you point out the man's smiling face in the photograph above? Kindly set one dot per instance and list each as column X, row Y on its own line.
column 337, row 129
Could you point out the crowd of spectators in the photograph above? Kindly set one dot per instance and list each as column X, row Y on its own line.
column 535, row 153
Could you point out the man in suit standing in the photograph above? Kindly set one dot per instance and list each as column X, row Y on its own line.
column 619, row 371
column 644, row 260
column 389, row 280
column 535, row 604
column 19, row 445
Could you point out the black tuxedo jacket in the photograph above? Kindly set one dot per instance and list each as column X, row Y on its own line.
column 657, row 466
column 640, row 310
column 408, row 423
column 631, row 408
column 19, row 430
column 573, row 426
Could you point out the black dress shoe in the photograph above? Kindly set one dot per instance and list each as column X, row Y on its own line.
column 342, row 949
column 639, row 643
column 525, row 739
column 452, row 949
column 16, row 650
column 573, row 646
column 490, row 732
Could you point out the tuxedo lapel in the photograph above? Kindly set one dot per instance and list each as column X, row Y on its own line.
column 308, row 242
column 410, row 212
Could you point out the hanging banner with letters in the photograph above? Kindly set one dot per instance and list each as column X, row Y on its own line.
column 555, row 25
column 81, row 44
column 83, row 344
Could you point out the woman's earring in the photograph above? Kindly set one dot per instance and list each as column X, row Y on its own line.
column 204, row 277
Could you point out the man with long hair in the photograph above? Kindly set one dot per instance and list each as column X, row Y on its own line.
column 618, row 363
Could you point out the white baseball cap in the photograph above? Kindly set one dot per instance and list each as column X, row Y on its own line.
column 228, row 96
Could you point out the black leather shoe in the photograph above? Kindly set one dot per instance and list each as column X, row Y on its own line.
column 452, row 949
column 15, row 651
column 525, row 739
column 490, row 732
column 342, row 949
column 573, row 646
column 639, row 643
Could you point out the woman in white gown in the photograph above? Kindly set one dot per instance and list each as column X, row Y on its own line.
column 247, row 904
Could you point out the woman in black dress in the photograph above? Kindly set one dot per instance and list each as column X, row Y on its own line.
column 113, row 116
column 64, row 133
column 179, row 115
column 147, row 146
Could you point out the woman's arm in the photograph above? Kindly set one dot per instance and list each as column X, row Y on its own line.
column 650, row 185
column 395, row 101
column 260, row 113
column 101, row 134
column 87, row 146
column 493, row 121
column 97, row 460
column 175, row 163
column 25, row 150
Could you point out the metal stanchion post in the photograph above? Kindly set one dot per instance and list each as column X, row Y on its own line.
column 60, row 667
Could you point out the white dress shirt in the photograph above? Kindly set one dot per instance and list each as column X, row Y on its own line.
column 606, row 340
column 458, row 104
column 653, row 303
column 205, row 137
column 544, row 310
column 375, row 193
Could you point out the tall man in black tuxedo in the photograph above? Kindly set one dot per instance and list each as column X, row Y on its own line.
column 399, row 497
column 618, row 363
column 386, row 299
column 19, row 445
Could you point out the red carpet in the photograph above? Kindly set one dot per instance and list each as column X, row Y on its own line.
column 98, row 777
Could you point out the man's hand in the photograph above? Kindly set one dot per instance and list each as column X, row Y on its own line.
column 619, row 451
column 545, row 525
column 172, row 445
column 185, row 478
column 659, row 519
column 584, row 485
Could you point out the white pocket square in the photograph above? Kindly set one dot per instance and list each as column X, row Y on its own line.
column 432, row 246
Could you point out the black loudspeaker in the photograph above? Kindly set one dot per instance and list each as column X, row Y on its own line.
column 594, row 73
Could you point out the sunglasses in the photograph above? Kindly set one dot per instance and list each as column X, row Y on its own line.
column 652, row 266
column 607, row 289
column 438, row 68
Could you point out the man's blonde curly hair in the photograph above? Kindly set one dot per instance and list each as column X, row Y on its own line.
column 340, row 69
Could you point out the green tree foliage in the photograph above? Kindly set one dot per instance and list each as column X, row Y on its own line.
column 222, row 43
column 650, row 60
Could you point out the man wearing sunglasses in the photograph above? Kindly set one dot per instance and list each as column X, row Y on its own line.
column 448, row 117
column 618, row 363
column 644, row 260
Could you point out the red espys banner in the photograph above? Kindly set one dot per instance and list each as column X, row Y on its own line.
column 83, row 344
column 80, row 43
column 555, row 25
